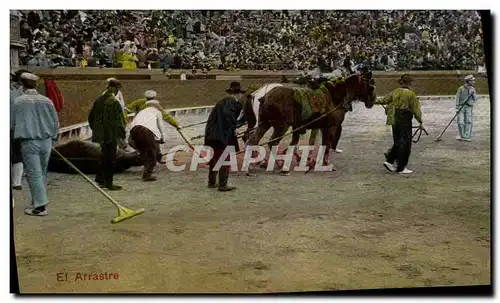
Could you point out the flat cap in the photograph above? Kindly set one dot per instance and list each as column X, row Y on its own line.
column 150, row 94
column 29, row 76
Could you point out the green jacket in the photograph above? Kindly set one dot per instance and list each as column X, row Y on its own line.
column 106, row 120
column 401, row 98
column 140, row 104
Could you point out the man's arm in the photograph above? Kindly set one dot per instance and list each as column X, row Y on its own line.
column 55, row 122
column 457, row 98
column 135, row 105
column 231, row 112
column 159, row 124
column 119, row 119
column 387, row 99
column 473, row 97
column 415, row 108
column 91, row 117
column 169, row 118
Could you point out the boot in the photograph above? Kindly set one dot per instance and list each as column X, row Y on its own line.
column 461, row 130
column 223, row 178
column 149, row 178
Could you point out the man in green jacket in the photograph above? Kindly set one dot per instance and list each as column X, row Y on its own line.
column 402, row 105
column 107, row 123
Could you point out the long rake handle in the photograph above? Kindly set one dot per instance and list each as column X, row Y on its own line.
column 87, row 178
column 451, row 121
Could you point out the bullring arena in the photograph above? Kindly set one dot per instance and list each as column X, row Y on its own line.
column 359, row 227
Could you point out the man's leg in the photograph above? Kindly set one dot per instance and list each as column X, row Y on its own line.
column 461, row 124
column 224, row 175
column 212, row 175
column 32, row 158
column 109, row 153
column 17, row 164
column 405, row 142
column 391, row 154
column 151, row 156
column 99, row 177
column 468, row 123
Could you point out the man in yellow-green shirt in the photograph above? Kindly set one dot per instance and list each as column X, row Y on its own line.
column 402, row 105
column 140, row 104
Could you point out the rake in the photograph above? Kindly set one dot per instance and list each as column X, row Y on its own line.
column 123, row 212
column 442, row 133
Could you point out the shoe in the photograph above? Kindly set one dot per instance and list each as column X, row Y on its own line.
column 212, row 186
column 467, row 140
column 149, row 179
column 17, row 187
column 405, row 171
column 338, row 151
column 38, row 211
column 114, row 187
column 227, row 188
column 390, row 167
column 459, row 138
column 100, row 183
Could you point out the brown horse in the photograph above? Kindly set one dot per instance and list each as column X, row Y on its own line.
column 283, row 107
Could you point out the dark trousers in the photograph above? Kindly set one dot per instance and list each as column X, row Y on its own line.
column 401, row 135
column 15, row 151
column 145, row 142
column 223, row 172
column 106, row 163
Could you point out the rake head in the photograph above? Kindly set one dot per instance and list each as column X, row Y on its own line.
column 125, row 213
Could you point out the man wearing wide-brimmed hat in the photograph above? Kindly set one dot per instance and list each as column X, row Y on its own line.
column 220, row 132
column 402, row 105
column 107, row 123
column 146, row 134
column 465, row 99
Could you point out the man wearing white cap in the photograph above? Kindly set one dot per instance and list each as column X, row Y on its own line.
column 146, row 134
column 35, row 123
column 465, row 99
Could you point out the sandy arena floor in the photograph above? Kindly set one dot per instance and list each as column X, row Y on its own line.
column 360, row 227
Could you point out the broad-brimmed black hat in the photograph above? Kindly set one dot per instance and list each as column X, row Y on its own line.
column 235, row 88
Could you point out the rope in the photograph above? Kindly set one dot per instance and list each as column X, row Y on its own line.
column 418, row 130
column 194, row 124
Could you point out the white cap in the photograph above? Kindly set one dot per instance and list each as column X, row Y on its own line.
column 150, row 94
column 29, row 76
column 469, row 77
column 152, row 102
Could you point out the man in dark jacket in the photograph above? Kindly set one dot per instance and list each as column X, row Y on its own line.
column 220, row 132
column 107, row 122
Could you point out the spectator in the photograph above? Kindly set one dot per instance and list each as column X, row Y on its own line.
column 387, row 40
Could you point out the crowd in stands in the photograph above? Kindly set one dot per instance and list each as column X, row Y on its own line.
column 257, row 40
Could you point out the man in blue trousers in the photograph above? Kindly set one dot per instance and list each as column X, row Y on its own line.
column 465, row 99
column 35, row 124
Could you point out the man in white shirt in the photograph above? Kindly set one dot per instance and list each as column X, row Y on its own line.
column 146, row 134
